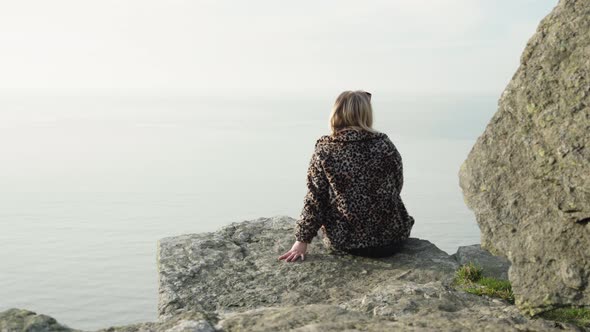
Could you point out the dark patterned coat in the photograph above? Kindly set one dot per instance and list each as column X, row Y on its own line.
column 354, row 182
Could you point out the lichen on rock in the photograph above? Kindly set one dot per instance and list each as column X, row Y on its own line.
column 533, row 159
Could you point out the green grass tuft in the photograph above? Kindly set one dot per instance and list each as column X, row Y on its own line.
column 576, row 316
column 469, row 272
column 470, row 278
column 497, row 284
column 505, row 294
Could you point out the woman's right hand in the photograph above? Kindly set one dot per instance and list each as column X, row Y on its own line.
column 297, row 250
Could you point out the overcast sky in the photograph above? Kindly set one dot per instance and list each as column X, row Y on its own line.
column 269, row 47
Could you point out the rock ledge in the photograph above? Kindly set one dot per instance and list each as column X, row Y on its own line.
column 232, row 280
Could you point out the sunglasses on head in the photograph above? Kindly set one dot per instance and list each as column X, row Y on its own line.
column 368, row 94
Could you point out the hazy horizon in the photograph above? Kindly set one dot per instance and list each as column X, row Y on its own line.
column 261, row 47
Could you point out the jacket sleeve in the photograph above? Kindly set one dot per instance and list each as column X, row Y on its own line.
column 315, row 202
column 399, row 171
column 398, row 166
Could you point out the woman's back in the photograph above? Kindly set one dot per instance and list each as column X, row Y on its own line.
column 354, row 181
column 358, row 177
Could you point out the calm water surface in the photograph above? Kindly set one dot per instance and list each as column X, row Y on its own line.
column 89, row 184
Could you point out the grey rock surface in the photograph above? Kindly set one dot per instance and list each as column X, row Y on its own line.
column 237, row 268
column 22, row 320
column 527, row 178
column 17, row 320
column 235, row 274
column 493, row 266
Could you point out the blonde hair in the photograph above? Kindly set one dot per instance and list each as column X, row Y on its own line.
column 352, row 109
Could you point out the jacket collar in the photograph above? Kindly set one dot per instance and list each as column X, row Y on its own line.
column 351, row 135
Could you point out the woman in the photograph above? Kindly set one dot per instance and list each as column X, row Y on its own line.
column 354, row 181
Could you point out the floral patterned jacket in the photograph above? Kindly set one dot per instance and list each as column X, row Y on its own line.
column 354, row 182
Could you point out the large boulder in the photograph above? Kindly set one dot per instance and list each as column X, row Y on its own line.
column 527, row 178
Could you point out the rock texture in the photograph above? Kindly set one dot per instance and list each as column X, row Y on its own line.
column 14, row 320
column 493, row 266
column 21, row 320
column 235, row 274
column 236, row 268
column 527, row 178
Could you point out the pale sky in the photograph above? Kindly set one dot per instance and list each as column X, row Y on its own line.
column 263, row 47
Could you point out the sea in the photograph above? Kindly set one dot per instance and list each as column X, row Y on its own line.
column 88, row 184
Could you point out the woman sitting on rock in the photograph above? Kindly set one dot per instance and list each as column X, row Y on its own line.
column 354, row 181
